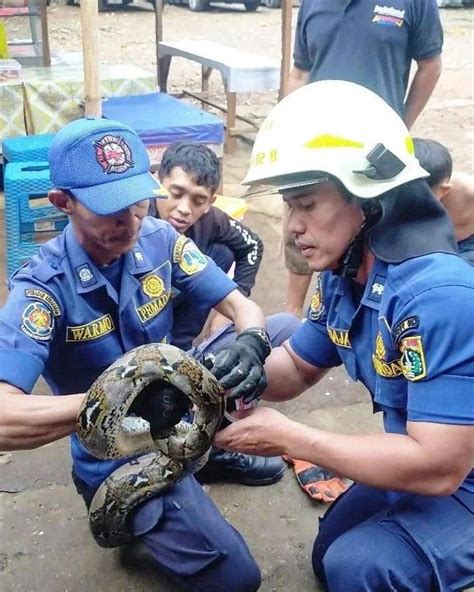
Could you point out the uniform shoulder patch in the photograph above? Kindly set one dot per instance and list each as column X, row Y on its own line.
column 403, row 327
column 413, row 358
column 192, row 260
column 37, row 321
column 316, row 306
column 178, row 248
column 36, row 294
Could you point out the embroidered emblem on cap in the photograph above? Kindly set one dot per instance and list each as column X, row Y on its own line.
column 37, row 321
column 413, row 358
column 153, row 286
column 113, row 154
column 192, row 260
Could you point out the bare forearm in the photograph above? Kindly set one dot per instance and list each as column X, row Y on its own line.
column 252, row 316
column 388, row 461
column 297, row 79
column 243, row 312
column 421, row 89
column 286, row 378
column 29, row 421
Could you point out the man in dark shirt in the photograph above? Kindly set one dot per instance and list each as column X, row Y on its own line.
column 190, row 175
column 373, row 44
column 455, row 191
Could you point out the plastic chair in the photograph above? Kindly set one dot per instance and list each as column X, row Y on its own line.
column 29, row 217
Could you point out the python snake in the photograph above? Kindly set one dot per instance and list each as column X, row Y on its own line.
column 107, row 432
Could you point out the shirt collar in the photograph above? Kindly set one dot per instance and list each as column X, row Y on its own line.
column 87, row 275
column 371, row 297
column 136, row 261
column 375, row 286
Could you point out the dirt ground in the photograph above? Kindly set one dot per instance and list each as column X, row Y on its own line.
column 44, row 539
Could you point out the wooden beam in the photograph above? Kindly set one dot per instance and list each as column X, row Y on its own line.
column 206, row 101
column 90, row 50
column 286, row 15
column 158, row 39
column 45, row 34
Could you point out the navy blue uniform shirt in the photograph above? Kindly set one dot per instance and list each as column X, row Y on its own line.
column 367, row 42
column 409, row 338
column 65, row 320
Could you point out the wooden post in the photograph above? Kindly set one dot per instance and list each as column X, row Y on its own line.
column 45, row 34
column 158, row 39
column 286, row 14
column 90, row 50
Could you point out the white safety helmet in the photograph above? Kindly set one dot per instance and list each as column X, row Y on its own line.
column 336, row 128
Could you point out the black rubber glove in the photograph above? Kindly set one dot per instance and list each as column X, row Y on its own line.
column 239, row 366
column 162, row 405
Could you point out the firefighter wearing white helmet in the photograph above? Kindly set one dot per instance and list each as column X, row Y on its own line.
column 364, row 144
column 395, row 305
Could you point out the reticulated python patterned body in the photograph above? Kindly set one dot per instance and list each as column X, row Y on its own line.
column 107, row 432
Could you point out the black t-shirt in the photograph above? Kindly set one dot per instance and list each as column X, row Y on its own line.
column 217, row 227
column 367, row 42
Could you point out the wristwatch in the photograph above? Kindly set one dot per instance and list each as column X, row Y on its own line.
column 263, row 336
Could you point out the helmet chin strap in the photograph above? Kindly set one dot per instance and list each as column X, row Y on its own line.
column 351, row 260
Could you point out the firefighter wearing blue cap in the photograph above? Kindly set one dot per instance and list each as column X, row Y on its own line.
column 395, row 305
column 101, row 288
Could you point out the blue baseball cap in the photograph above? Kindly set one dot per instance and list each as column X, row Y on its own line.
column 103, row 163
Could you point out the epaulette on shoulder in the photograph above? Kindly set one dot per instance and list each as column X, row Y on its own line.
column 152, row 225
column 47, row 268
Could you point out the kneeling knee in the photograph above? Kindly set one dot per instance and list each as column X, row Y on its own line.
column 348, row 568
column 239, row 574
column 245, row 578
column 250, row 581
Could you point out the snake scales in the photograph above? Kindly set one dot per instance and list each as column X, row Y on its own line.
column 107, row 432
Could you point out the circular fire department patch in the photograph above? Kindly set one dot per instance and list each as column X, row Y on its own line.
column 37, row 321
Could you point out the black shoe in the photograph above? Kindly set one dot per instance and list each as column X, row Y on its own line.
column 137, row 555
column 241, row 468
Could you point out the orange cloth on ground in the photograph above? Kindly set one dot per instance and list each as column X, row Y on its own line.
column 318, row 483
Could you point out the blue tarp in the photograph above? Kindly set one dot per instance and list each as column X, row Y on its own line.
column 161, row 119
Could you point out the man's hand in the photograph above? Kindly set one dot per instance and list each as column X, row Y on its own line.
column 239, row 366
column 162, row 405
column 262, row 431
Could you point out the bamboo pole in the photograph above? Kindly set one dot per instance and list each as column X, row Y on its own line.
column 286, row 15
column 158, row 38
column 90, row 51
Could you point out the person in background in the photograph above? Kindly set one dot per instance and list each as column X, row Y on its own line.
column 374, row 45
column 454, row 190
column 190, row 175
